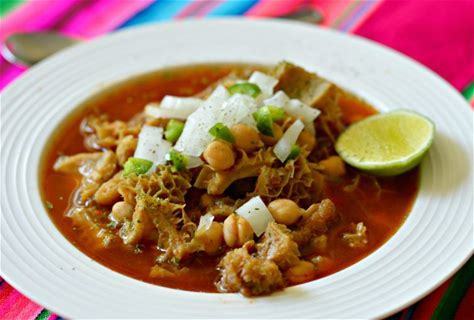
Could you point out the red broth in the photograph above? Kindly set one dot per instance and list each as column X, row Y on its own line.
column 382, row 203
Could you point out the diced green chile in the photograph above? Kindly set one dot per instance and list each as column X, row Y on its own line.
column 49, row 205
column 178, row 160
column 294, row 153
column 137, row 166
column 246, row 88
column 277, row 113
column 264, row 121
column 221, row 131
column 265, row 117
column 173, row 131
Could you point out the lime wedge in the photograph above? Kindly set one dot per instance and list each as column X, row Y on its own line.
column 386, row 144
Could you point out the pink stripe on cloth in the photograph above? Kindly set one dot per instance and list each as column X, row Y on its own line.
column 103, row 16
column 436, row 33
column 34, row 16
column 8, row 72
column 272, row 8
column 7, row 297
column 331, row 10
column 198, row 9
column 210, row 5
column 13, row 305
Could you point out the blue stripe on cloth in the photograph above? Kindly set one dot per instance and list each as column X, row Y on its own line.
column 410, row 311
column 160, row 10
column 363, row 8
column 232, row 8
column 395, row 316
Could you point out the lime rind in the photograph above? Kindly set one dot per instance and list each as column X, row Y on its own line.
column 392, row 167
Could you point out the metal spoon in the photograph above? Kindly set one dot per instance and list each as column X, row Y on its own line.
column 30, row 48
column 305, row 14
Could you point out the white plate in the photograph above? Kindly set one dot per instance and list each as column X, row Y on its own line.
column 432, row 244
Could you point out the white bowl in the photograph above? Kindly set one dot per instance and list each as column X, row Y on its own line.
column 432, row 244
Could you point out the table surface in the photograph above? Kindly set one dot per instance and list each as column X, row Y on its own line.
column 436, row 33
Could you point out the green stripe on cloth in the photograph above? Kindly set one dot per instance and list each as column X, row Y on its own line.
column 8, row 5
column 448, row 305
column 468, row 92
column 43, row 315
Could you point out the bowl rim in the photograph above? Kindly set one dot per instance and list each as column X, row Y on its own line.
column 224, row 23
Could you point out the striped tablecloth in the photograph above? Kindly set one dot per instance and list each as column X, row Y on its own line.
column 437, row 33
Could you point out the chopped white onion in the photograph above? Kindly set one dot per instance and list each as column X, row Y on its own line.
column 250, row 121
column 279, row 99
column 298, row 109
column 283, row 147
column 195, row 137
column 151, row 145
column 172, row 107
column 295, row 108
column 163, row 150
column 265, row 82
column 165, row 147
column 151, row 132
column 204, row 223
column 193, row 162
column 149, row 140
column 235, row 109
column 256, row 213
column 155, row 111
column 218, row 96
column 219, row 107
column 182, row 103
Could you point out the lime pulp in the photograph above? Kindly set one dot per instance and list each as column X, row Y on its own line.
column 387, row 144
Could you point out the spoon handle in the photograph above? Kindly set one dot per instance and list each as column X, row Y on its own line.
column 30, row 48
